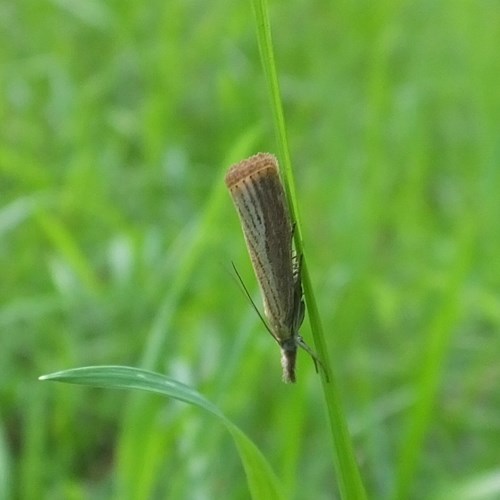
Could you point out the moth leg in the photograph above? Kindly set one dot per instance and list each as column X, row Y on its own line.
column 299, row 304
column 317, row 362
column 297, row 268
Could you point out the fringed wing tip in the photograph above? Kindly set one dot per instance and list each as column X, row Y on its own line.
column 288, row 358
column 249, row 166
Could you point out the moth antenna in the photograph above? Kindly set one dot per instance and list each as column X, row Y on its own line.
column 249, row 297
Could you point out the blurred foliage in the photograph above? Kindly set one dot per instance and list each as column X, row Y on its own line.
column 118, row 120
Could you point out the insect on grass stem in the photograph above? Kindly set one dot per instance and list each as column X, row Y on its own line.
column 260, row 201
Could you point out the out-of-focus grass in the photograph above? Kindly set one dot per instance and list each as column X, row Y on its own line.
column 117, row 121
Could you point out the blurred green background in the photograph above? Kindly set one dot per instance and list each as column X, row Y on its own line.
column 118, row 121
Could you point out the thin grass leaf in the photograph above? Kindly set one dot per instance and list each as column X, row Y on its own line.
column 347, row 472
column 64, row 242
column 5, row 466
column 262, row 482
column 439, row 334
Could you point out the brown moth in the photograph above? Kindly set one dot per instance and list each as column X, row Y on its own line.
column 258, row 195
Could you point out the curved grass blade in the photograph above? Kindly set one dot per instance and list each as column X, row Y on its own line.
column 262, row 482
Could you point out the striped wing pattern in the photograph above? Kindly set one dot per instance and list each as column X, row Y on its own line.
column 258, row 195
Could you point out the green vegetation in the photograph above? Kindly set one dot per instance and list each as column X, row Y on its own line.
column 118, row 121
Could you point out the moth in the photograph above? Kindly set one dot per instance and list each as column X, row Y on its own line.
column 258, row 195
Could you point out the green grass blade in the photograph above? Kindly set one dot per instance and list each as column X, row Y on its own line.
column 5, row 466
column 262, row 481
column 349, row 478
column 439, row 334
column 65, row 243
